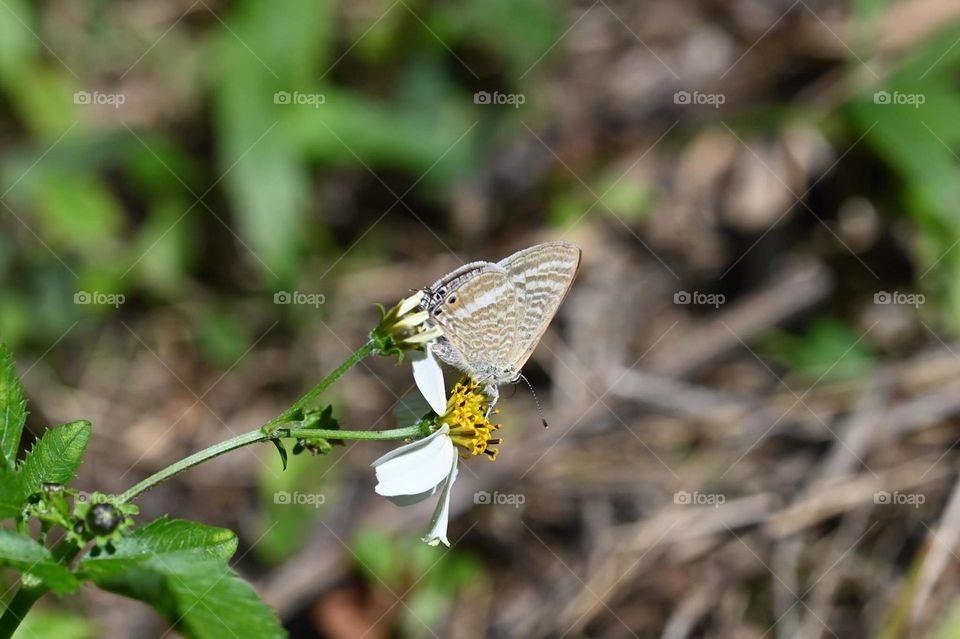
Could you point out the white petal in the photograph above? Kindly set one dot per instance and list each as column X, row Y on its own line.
column 407, row 304
column 441, row 515
column 429, row 377
column 401, row 450
column 409, row 500
column 415, row 468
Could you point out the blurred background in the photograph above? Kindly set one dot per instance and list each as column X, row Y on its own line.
column 753, row 387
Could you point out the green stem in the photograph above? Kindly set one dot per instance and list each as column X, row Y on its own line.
column 18, row 608
column 257, row 436
column 291, row 413
column 270, row 430
column 372, row 435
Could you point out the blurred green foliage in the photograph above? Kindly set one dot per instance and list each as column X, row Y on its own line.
column 54, row 623
column 285, row 525
column 431, row 583
column 121, row 207
column 825, row 350
column 910, row 120
column 949, row 626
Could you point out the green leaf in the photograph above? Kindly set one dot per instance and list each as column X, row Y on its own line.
column 13, row 410
column 25, row 554
column 55, row 457
column 282, row 450
column 180, row 568
column 165, row 536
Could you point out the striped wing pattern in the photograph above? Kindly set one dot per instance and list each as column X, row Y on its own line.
column 541, row 276
column 493, row 315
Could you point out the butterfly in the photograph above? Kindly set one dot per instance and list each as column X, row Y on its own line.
column 493, row 314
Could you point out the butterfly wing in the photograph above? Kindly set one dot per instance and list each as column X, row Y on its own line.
column 541, row 277
column 473, row 305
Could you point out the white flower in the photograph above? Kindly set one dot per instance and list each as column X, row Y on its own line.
column 416, row 471
column 413, row 472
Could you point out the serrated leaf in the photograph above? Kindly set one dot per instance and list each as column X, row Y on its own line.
column 165, row 536
column 55, row 457
column 26, row 554
column 13, row 410
column 180, row 568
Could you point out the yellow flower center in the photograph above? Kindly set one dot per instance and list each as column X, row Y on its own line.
column 470, row 428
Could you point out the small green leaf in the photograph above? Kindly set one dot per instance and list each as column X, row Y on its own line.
column 282, row 451
column 55, row 457
column 13, row 410
column 25, row 554
column 180, row 568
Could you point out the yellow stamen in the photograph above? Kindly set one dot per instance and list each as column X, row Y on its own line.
column 466, row 415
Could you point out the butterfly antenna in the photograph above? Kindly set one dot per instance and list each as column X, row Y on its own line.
column 535, row 400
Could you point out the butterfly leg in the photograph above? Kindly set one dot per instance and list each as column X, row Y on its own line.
column 491, row 391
